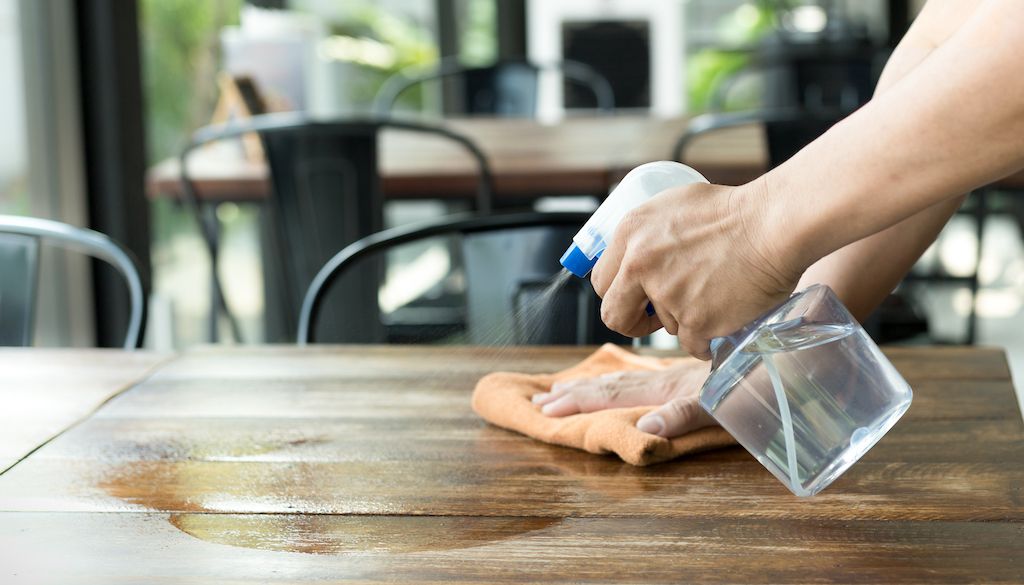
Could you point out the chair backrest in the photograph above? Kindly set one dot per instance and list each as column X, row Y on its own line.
column 505, row 88
column 786, row 130
column 325, row 195
column 809, row 76
column 20, row 239
column 515, row 292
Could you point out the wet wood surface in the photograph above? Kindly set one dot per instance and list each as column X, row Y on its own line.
column 366, row 464
column 44, row 391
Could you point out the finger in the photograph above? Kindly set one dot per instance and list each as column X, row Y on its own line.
column 562, row 386
column 624, row 305
column 543, row 398
column 645, row 326
column 654, row 322
column 667, row 319
column 558, row 389
column 607, row 267
column 586, row 395
column 697, row 347
column 617, row 390
column 563, row 406
column 677, row 417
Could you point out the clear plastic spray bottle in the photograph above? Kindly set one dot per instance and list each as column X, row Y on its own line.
column 635, row 189
column 802, row 387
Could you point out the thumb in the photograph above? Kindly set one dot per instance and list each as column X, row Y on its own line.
column 679, row 416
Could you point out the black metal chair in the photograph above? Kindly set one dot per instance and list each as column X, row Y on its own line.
column 808, row 75
column 510, row 261
column 788, row 130
column 506, row 88
column 325, row 194
column 20, row 241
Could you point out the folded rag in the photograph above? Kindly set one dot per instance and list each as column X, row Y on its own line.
column 503, row 399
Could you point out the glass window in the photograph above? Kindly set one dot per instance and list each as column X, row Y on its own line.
column 478, row 30
column 326, row 57
column 181, row 57
column 13, row 145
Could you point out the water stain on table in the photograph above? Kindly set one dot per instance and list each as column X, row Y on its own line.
column 332, row 534
column 294, row 507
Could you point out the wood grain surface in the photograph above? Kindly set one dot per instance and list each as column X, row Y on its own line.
column 365, row 464
column 585, row 155
column 44, row 391
column 529, row 159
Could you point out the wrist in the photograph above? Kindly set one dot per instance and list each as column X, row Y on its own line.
column 769, row 226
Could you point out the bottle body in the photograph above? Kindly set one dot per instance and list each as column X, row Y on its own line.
column 635, row 189
column 805, row 390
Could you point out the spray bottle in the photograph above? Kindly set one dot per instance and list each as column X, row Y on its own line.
column 809, row 347
column 635, row 189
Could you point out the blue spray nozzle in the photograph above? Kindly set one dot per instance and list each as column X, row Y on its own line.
column 575, row 261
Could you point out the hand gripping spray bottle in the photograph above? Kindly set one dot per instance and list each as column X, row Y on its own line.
column 802, row 387
column 635, row 189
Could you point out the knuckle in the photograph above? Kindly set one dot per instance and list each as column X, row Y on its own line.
column 670, row 324
column 630, row 222
column 664, row 388
column 656, row 290
column 612, row 318
column 602, row 394
column 610, row 394
column 607, row 314
column 691, row 346
column 627, row 267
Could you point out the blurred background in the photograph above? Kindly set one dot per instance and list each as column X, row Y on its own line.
column 98, row 100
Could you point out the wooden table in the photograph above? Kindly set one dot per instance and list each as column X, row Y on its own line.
column 365, row 464
column 575, row 156
column 44, row 392
column 529, row 159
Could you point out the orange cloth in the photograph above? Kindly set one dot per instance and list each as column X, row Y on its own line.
column 503, row 399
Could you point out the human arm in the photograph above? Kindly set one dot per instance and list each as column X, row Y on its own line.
column 712, row 258
column 862, row 273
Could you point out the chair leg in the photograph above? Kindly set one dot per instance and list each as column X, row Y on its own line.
column 218, row 302
column 209, row 212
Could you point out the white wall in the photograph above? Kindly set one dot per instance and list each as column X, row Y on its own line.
column 544, row 40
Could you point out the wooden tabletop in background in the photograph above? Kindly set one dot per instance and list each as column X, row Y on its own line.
column 366, row 464
column 529, row 159
column 584, row 155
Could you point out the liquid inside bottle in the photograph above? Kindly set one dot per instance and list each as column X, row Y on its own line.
column 808, row 399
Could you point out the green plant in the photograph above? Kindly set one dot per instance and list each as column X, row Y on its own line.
column 180, row 58
column 735, row 33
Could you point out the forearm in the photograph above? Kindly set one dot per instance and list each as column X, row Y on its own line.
column 863, row 273
column 951, row 125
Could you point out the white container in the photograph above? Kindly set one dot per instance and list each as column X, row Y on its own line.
column 635, row 189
